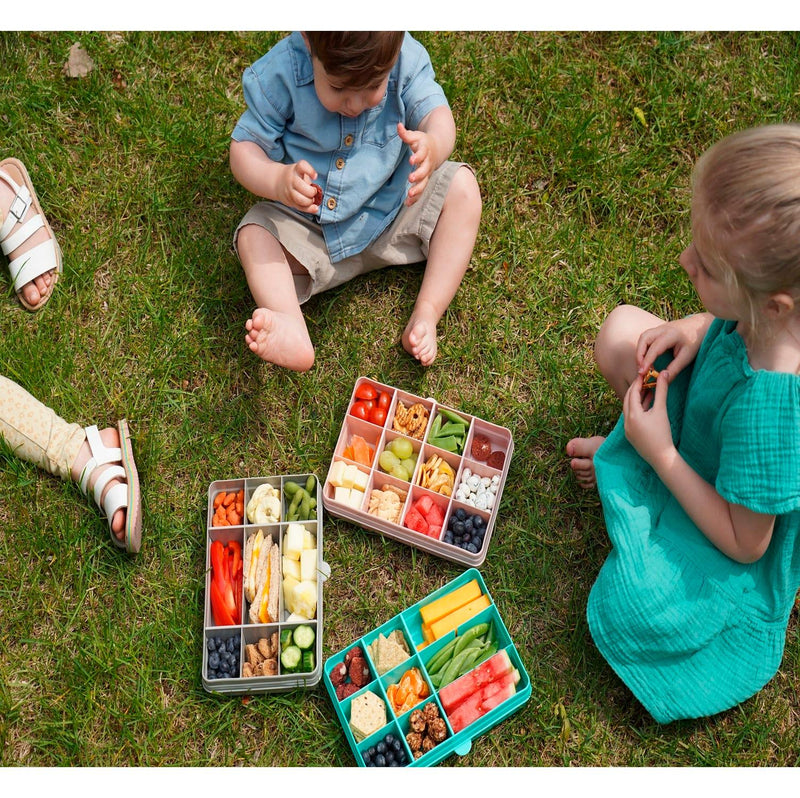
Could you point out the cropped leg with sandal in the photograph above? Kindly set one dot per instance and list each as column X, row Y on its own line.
column 37, row 434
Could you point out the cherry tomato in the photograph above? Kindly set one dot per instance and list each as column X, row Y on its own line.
column 377, row 416
column 359, row 410
column 384, row 400
column 365, row 391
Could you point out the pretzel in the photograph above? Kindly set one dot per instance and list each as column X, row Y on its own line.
column 412, row 420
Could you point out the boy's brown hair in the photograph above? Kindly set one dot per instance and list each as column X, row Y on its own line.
column 357, row 58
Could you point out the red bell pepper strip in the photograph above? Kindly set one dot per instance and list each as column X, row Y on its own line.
column 235, row 548
column 220, row 578
column 218, row 609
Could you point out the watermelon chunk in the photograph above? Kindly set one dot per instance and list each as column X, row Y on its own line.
column 423, row 505
column 476, row 706
column 434, row 530
column 470, row 683
column 435, row 516
column 415, row 521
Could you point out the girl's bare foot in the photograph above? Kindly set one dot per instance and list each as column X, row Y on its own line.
column 280, row 338
column 110, row 438
column 419, row 338
column 582, row 451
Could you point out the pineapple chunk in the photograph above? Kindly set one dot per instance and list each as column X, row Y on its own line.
column 293, row 541
column 304, row 599
column 289, row 586
column 309, row 540
column 291, row 567
column 308, row 565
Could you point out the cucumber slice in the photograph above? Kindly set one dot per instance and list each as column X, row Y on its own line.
column 308, row 662
column 290, row 657
column 286, row 639
column 304, row 637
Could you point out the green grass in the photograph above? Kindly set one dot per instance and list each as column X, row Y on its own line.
column 585, row 206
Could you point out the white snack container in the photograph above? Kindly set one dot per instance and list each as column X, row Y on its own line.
column 378, row 435
column 247, row 632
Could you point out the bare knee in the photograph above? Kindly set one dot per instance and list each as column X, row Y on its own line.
column 464, row 195
column 615, row 346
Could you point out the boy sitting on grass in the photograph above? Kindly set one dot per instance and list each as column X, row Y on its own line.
column 359, row 115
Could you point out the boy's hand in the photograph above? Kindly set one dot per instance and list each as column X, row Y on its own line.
column 295, row 189
column 423, row 158
column 646, row 421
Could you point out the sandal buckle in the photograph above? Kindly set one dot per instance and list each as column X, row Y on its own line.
column 19, row 207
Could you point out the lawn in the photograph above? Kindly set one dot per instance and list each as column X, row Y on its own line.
column 583, row 146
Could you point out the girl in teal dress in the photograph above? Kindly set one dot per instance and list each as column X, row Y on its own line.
column 700, row 478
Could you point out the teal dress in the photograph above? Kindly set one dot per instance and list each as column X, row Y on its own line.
column 689, row 630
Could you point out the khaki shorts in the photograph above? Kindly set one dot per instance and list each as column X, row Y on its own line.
column 405, row 241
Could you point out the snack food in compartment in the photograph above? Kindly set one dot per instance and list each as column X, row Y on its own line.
column 262, row 629
column 430, row 680
column 420, row 472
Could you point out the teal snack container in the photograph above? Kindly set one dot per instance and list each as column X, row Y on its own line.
column 476, row 453
column 457, row 739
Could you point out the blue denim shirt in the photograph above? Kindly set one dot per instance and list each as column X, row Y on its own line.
column 362, row 163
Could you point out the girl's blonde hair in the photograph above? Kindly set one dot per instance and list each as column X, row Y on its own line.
column 747, row 187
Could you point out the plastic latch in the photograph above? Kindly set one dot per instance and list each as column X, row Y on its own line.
column 463, row 748
column 324, row 571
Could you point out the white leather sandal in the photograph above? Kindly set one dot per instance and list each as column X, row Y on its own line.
column 19, row 226
column 120, row 496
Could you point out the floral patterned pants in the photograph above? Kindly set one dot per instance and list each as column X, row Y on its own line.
column 35, row 433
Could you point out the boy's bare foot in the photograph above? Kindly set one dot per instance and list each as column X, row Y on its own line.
column 280, row 339
column 110, row 438
column 419, row 338
column 582, row 451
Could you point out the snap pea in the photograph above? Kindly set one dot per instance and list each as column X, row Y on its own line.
column 463, row 640
column 442, row 657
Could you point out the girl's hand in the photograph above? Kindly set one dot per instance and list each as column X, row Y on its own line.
column 295, row 189
column 682, row 336
column 646, row 421
column 423, row 158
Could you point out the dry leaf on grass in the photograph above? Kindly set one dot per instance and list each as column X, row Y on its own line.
column 78, row 65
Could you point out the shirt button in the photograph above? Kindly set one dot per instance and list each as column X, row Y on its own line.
column 348, row 140
column 340, row 163
column 331, row 203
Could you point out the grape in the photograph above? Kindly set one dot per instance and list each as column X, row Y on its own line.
column 402, row 448
column 388, row 461
column 409, row 464
column 401, row 472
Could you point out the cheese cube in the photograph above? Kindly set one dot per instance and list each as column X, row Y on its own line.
column 291, row 567
column 342, row 495
column 293, row 541
column 361, row 480
column 336, row 473
column 349, row 476
column 308, row 564
column 356, row 498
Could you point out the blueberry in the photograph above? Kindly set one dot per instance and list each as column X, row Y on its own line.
column 381, row 747
column 471, row 548
column 231, row 644
column 211, row 644
column 380, row 761
column 367, row 758
column 397, row 745
column 371, row 751
column 458, row 528
column 469, row 525
column 213, row 660
column 389, row 739
column 478, row 522
column 390, row 758
column 461, row 514
column 448, row 536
